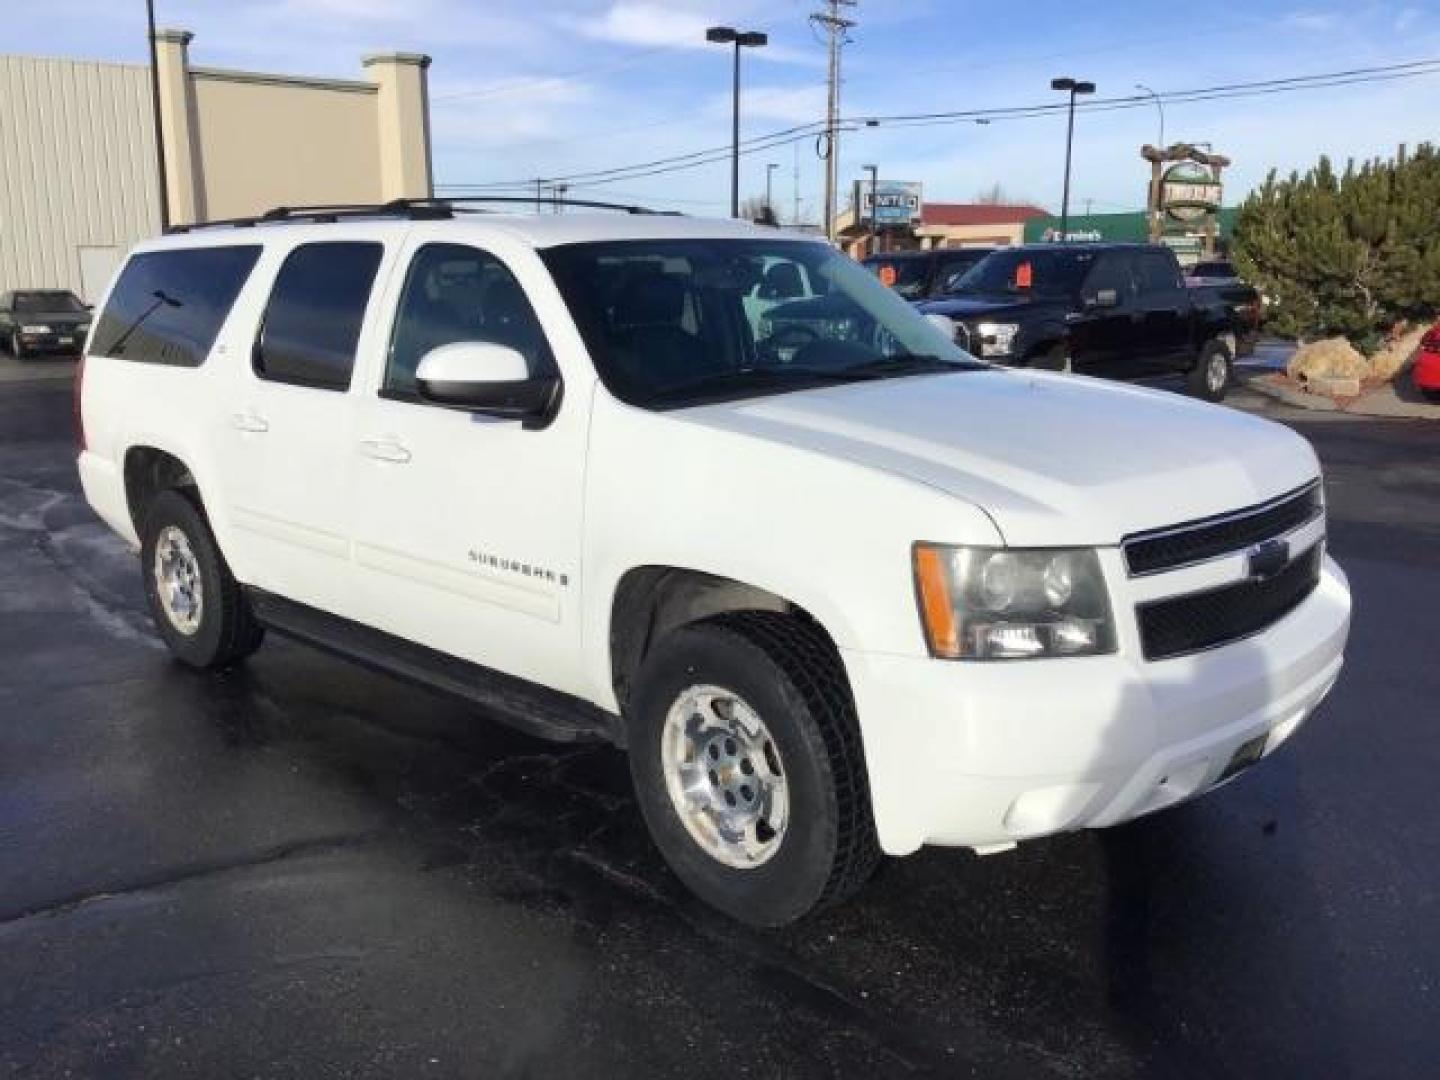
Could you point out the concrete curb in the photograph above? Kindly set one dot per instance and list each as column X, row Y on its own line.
column 1383, row 402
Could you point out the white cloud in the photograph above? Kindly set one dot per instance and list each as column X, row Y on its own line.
column 1312, row 21
column 666, row 26
column 1405, row 18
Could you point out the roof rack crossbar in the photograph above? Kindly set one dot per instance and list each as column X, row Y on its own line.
column 420, row 209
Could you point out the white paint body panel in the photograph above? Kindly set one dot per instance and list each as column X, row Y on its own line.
column 815, row 496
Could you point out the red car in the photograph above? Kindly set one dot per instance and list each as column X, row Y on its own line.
column 1427, row 364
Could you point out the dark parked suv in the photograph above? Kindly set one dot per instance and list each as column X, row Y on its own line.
column 1119, row 310
column 42, row 321
column 921, row 275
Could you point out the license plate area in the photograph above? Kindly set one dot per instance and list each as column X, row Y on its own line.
column 1247, row 754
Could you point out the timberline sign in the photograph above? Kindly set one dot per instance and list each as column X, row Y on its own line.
column 1189, row 191
column 1185, row 194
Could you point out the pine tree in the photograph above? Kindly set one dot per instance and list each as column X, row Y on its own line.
column 1351, row 253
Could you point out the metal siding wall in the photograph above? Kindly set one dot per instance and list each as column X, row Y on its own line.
column 78, row 168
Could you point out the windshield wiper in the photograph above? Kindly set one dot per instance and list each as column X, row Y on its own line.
column 761, row 374
column 910, row 364
column 883, row 368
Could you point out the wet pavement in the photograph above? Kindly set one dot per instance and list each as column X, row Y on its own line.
column 304, row 869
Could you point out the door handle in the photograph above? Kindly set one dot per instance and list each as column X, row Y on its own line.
column 248, row 421
column 385, row 450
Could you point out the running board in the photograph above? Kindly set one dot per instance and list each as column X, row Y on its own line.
column 529, row 707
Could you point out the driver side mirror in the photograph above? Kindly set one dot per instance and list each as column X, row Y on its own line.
column 486, row 378
column 1103, row 298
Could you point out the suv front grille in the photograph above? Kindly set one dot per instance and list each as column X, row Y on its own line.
column 1203, row 620
column 1196, row 541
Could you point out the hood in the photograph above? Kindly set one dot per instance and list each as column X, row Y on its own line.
column 980, row 305
column 1052, row 459
column 52, row 318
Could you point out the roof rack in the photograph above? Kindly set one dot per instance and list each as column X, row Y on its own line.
column 428, row 209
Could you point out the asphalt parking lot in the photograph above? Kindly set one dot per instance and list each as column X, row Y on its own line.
column 303, row 869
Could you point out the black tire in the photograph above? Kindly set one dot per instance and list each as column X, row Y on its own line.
column 16, row 349
column 1055, row 358
column 227, row 631
column 788, row 672
column 1203, row 382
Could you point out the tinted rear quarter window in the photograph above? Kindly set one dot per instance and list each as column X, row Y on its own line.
column 1155, row 274
column 316, row 309
column 168, row 306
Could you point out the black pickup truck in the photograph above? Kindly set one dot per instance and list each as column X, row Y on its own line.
column 1117, row 310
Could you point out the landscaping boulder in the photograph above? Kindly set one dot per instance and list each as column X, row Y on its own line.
column 1397, row 352
column 1328, row 358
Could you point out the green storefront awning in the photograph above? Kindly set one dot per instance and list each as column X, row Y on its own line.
column 1129, row 226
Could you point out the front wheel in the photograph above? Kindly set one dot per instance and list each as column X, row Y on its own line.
column 196, row 603
column 1210, row 377
column 747, row 763
column 16, row 349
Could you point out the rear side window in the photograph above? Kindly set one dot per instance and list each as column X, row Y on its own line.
column 168, row 306
column 312, row 322
column 1155, row 274
column 1112, row 272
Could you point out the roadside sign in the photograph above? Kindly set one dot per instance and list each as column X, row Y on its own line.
column 892, row 204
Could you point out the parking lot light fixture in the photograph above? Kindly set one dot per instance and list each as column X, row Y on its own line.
column 1074, row 87
column 740, row 39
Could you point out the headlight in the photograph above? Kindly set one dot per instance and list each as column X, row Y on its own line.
column 35, row 328
column 996, row 337
column 982, row 603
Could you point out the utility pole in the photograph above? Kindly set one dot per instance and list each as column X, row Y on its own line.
column 836, row 25
column 769, row 177
column 795, row 190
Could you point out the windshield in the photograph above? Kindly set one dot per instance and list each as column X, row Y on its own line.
column 1027, row 272
column 905, row 275
column 47, row 301
column 682, row 322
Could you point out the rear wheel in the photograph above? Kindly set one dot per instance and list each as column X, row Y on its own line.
column 746, row 757
column 1055, row 358
column 1210, row 377
column 198, row 607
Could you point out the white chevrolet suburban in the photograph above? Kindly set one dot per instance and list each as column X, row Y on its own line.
column 714, row 493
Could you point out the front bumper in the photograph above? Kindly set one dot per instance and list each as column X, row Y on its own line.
column 54, row 342
column 982, row 755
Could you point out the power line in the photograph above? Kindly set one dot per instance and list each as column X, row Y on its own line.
column 805, row 132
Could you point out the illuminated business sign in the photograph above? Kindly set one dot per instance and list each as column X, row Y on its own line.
column 1189, row 191
column 892, row 204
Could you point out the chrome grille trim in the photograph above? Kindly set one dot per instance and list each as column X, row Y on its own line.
column 1209, row 542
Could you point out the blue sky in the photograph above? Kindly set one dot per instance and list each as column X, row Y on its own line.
column 524, row 88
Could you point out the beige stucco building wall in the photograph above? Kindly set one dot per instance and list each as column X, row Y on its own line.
column 77, row 175
column 79, row 185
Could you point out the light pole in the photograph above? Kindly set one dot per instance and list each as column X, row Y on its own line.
column 741, row 39
column 769, row 177
column 1074, row 88
column 1160, row 105
column 155, row 116
column 874, row 171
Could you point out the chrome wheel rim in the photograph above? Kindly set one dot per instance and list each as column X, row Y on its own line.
column 177, row 581
column 724, row 776
column 1216, row 372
